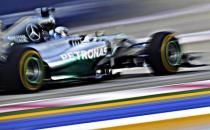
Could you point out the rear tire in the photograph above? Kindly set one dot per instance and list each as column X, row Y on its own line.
column 25, row 70
column 164, row 53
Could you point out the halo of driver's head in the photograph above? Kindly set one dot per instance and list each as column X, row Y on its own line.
column 47, row 21
column 45, row 11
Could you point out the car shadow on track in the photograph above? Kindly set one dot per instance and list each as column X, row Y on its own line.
column 74, row 84
column 127, row 76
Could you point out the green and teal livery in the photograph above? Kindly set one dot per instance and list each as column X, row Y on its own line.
column 34, row 52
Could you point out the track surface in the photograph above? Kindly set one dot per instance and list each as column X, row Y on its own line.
column 127, row 81
column 182, row 24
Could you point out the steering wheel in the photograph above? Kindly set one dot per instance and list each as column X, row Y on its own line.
column 34, row 32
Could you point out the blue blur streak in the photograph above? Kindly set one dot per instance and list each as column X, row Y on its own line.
column 106, row 114
column 68, row 12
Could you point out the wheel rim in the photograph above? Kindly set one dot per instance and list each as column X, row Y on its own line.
column 33, row 71
column 173, row 53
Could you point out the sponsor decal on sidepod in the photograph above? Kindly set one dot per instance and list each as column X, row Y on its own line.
column 84, row 55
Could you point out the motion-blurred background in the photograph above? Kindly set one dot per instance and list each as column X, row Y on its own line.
column 83, row 12
column 139, row 18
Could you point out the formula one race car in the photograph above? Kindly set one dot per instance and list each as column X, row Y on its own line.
column 34, row 51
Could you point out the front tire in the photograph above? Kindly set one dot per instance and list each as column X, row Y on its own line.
column 164, row 53
column 26, row 70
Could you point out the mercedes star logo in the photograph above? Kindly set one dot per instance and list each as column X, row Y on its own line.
column 33, row 32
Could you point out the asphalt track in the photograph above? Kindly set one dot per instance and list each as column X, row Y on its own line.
column 127, row 81
column 187, row 23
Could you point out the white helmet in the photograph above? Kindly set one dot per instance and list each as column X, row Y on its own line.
column 62, row 31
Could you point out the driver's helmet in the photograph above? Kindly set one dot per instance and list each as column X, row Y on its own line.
column 61, row 31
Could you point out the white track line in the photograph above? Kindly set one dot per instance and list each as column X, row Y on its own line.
column 100, row 97
column 194, row 37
